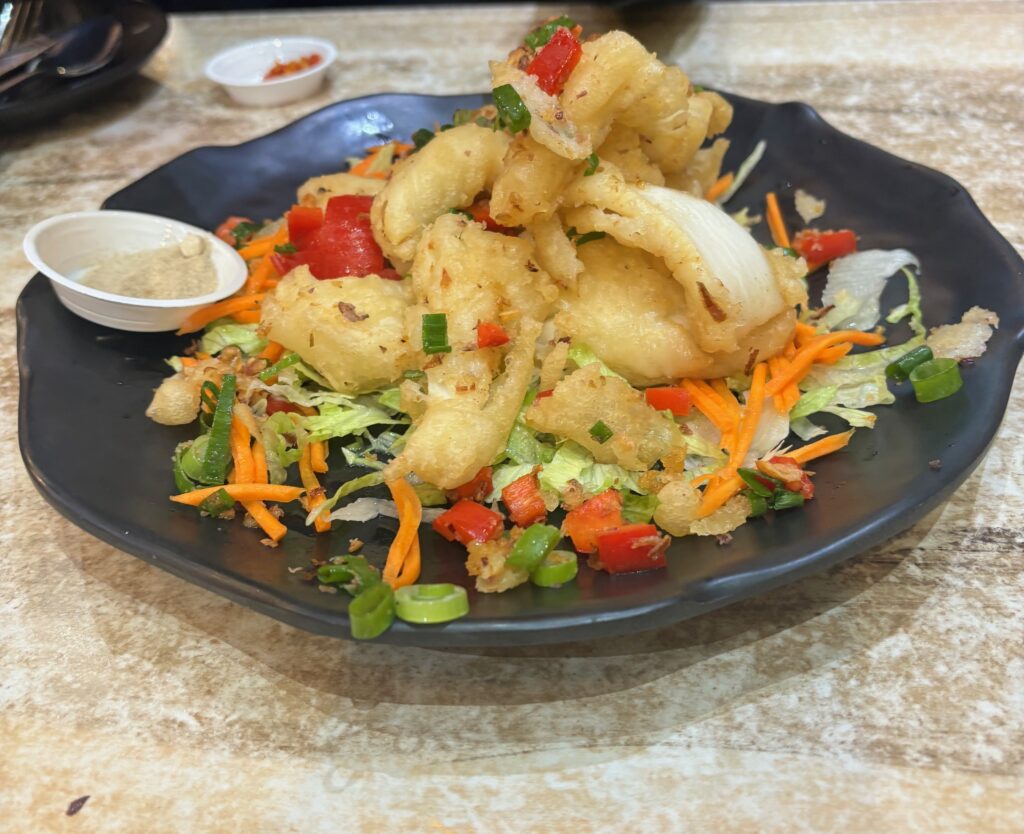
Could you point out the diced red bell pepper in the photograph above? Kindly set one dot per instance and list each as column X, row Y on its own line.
column 591, row 518
column 275, row 404
column 542, row 394
column 303, row 224
column 803, row 485
column 489, row 334
column 340, row 244
column 676, row 400
column 225, row 229
column 469, row 522
column 477, row 489
column 553, row 65
column 631, row 548
column 524, row 501
column 818, row 247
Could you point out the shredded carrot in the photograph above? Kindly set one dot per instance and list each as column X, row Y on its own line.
column 716, row 494
column 803, row 333
column 240, row 452
column 819, row 448
column 248, row 470
column 709, row 404
column 247, row 317
column 403, row 563
column 272, row 352
column 241, row 492
column 189, row 362
column 227, row 307
column 728, row 440
column 258, row 278
column 318, row 456
column 274, row 529
column 806, row 355
column 732, row 405
column 775, row 222
column 792, row 394
column 720, row 186
column 259, row 462
column 833, row 354
column 362, row 168
column 701, row 479
column 265, row 245
column 751, row 416
column 314, row 492
column 776, row 365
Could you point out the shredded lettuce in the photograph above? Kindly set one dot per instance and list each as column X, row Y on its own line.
column 504, row 474
column 175, row 363
column 244, row 336
column 343, row 420
column 582, row 355
column 370, row 479
column 391, row 399
column 279, row 452
column 854, row 416
column 861, row 278
column 912, row 308
column 805, row 429
column 813, row 401
column 859, row 379
column 574, row 463
column 744, row 171
column 638, row 509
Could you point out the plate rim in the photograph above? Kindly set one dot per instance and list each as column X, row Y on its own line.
column 548, row 628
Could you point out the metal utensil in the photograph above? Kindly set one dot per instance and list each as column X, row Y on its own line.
column 86, row 48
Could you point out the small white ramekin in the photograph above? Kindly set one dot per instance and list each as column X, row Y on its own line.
column 63, row 247
column 241, row 69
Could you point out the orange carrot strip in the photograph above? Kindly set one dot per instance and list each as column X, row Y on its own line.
column 318, row 456
column 227, row 307
column 241, row 492
column 720, row 186
column 792, row 394
column 775, row 222
column 701, row 479
column 189, row 361
column 819, row 448
column 403, row 563
column 258, row 278
column 716, row 494
column 834, row 354
column 728, row 440
column 272, row 352
column 247, row 317
column 709, row 404
column 265, row 245
column 732, row 405
column 315, row 495
column 751, row 416
column 247, row 469
column 776, row 366
column 803, row 333
column 240, row 453
column 259, row 462
column 806, row 355
column 274, row 529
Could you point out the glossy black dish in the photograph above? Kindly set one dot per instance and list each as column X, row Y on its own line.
column 144, row 29
column 93, row 454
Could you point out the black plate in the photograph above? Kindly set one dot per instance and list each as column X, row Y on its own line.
column 100, row 462
column 144, row 29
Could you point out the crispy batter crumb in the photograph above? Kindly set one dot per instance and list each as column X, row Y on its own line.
column 355, row 545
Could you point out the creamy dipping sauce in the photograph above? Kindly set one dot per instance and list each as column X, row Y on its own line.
column 180, row 270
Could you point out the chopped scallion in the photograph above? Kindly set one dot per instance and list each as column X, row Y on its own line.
column 421, row 137
column 588, row 237
column 413, row 373
column 600, row 432
column 279, row 365
column 218, row 503
column 244, row 230
column 542, row 34
column 511, row 110
column 753, row 481
column 218, row 454
column 901, row 368
column 285, row 249
column 936, row 379
column 592, row 163
column 463, row 212
column 435, row 333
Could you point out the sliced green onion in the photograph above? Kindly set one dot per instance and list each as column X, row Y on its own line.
column 243, row 230
column 414, row 373
column 783, row 499
column 352, row 572
column 936, row 379
column 697, row 88
column 462, row 117
column 217, row 454
column 589, row 236
column 218, row 503
column 440, row 603
column 901, row 368
column 529, row 551
column 285, row 249
column 372, row 612
column 790, row 252
column 280, row 365
column 558, row 568
column 208, row 393
column 181, row 478
column 750, row 478
column 758, row 503
column 192, row 457
column 463, row 212
column 511, row 110
column 600, row 432
column 421, row 137
column 435, row 333
column 592, row 163
column 542, row 34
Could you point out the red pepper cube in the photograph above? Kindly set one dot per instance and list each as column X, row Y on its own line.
column 477, row 489
column 669, row 398
column 632, row 548
column 489, row 334
column 469, row 522
column 591, row 518
column 553, row 65
column 524, row 501
column 303, row 223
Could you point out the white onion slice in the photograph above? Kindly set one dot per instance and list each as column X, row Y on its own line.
column 728, row 251
column 855, row 284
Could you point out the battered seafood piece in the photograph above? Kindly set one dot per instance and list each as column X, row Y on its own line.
column 448, row 172
column 531, row 183
column 458, row 434
column 640, row 435
column 352, row 330
column 474, row 275
column 318, row 190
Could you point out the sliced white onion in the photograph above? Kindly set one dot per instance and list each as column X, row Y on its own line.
column 744, row 170
column 728, row 252
column 966, row 339
column 855, row 285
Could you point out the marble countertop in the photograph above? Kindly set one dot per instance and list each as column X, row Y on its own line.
column 884, row 695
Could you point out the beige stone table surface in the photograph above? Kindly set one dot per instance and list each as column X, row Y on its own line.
column 886, row 695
